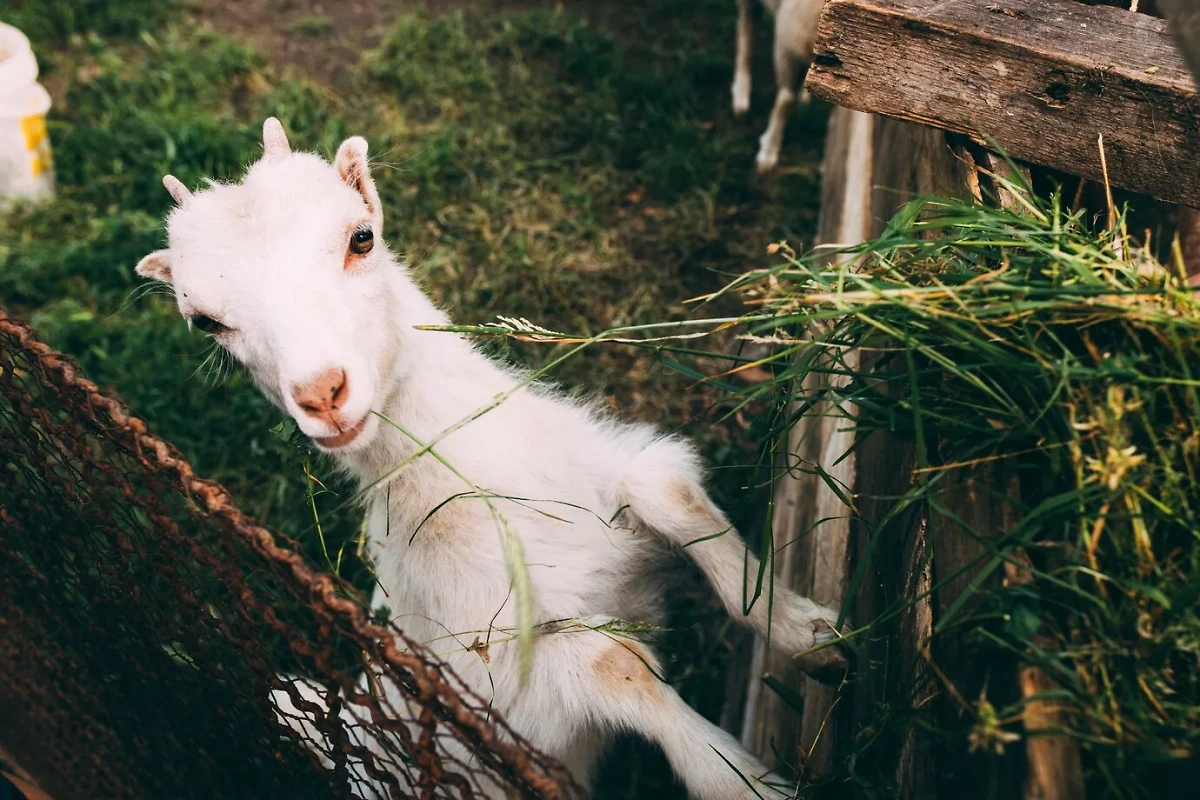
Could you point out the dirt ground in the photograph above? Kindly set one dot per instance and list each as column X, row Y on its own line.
column 322, row 40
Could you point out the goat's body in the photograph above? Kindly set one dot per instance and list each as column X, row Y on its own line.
column 595, row 503
column 283, row 271
column 795, row 35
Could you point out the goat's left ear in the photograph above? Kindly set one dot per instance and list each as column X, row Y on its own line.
column 156, row 266
column 351, row 164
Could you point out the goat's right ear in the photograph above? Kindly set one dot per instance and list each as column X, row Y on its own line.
column 351, row 164
column 156, row 266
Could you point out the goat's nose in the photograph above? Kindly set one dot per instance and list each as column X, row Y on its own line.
column 323, row 394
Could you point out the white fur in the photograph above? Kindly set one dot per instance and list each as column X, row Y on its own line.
column 268, row 258
column 795, row 34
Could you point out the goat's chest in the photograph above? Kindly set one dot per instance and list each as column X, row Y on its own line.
column 437, row 572
column 441, row 564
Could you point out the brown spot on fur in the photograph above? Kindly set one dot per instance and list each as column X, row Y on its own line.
column 695, row 504
column 626, row 666
column 687, row 497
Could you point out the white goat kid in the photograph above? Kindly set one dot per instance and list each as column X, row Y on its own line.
column 795, row 34
column 287, row 272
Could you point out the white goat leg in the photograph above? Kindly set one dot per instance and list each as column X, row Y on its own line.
column 300, row 705
column 663, row 489
column 795, row 34
column 615, row 684
column 786, row 67
column 741, row 67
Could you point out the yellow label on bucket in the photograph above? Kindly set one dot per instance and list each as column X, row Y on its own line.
column 34, row 128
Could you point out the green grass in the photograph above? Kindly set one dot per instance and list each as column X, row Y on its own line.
column 50, row 23
column 1038, row 350
column 581, row 172
column 314, row 26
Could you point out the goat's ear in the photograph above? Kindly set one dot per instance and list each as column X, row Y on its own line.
column 156, row 266
column 351, row 164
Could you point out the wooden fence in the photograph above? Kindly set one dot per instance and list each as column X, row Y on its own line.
column 924, row 89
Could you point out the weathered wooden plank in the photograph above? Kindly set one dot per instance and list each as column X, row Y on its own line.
column 975, row 507
column 852, row 221
column 909, row 161
column 999, row 168
column 1189, row 241
column 1054, row 766
column 872, row 166
column 817, row 565
column 1044, row 78
column 770, row 726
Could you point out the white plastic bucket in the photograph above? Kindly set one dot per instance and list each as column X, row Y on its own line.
column 26, row 166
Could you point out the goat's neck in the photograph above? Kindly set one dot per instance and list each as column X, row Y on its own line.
column 438, row 379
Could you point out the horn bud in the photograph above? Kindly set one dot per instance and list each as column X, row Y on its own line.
column 179, row 193
column 275, row 141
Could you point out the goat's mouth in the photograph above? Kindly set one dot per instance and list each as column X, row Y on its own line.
column 342, row 438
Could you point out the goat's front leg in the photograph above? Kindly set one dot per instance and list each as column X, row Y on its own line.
column 662, row 489
column 741, row 64
column 601, row 681
column 791, row 622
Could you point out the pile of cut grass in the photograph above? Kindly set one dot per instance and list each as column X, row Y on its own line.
column 1069, row 358
column 1023, row 343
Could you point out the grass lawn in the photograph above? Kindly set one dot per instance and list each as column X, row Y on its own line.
column 576, row 166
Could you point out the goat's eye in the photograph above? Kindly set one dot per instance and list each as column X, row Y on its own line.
column 208, row 325
column 361, row 241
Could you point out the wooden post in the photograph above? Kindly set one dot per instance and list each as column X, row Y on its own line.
column 1043, row 78
column 872, row 166
column 816, row 564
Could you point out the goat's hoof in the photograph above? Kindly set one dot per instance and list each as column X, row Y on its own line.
column 824, row 633
column 765, row 162
column 829, row 664
column 741, row 97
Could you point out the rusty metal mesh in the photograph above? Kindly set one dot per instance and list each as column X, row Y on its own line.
column 146, row 624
